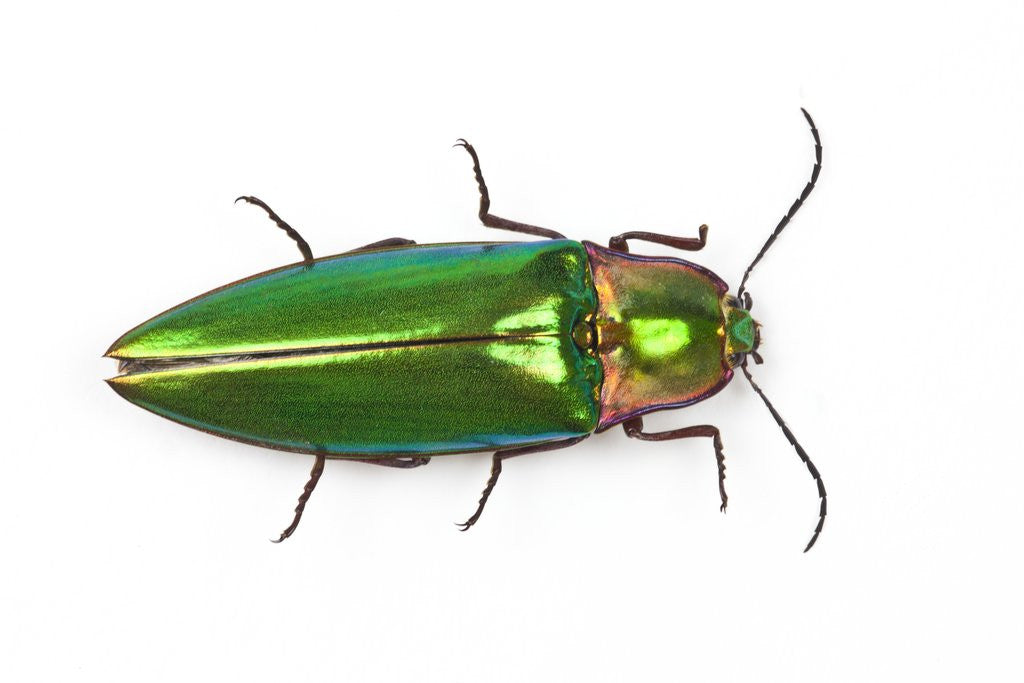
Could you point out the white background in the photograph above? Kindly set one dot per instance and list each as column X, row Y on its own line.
column 136, row 550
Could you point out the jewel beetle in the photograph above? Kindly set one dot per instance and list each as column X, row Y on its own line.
column 396, row 352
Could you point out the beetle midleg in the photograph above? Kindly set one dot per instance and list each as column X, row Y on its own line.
column 496, row 470
column 619, row 243
column 307, row 253
column 489, row 219
column 634, row 429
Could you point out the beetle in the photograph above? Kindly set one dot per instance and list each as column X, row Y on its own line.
column 396, row 352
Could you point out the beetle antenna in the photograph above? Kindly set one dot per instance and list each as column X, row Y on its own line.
column 793, row 209
column 799, row 451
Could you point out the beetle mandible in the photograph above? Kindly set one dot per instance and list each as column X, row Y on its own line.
column 396, row 352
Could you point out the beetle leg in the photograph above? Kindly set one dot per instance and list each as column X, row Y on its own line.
column 402, row 463
column 318, row 470
column 492, row 221
column 307, row 491
column 390, row 242
column 496, row 470
column 634, row 429
column 307, row 253
column 684, row 243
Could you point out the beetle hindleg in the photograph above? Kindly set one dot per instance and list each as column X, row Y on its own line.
column 492, row 221
column 307, row 253
column 318, row 470
column 390, row 242
column 496, row 471
column 634, row 428
column 684, row 243
column 307, row 491
column 402, row 463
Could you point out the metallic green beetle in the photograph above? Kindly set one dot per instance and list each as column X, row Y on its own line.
column 396, row 352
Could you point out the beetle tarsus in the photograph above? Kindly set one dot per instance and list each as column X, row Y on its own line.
column 307, row 491
column 490, row 220
column 619, row 242
column 634, row 429
column 307, row 253
column 491, row 481
column 496, row 460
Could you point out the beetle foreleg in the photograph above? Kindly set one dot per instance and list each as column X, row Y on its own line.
column 307, row 491
column 307, row 253
column 684, row 243
column 496, row 471
column 634, row 429
column 492, row 221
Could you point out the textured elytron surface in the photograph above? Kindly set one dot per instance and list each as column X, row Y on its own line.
column 403, row 294
column 472, row 349
column 660, row 333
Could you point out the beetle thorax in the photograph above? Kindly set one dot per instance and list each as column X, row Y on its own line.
column 661, row 332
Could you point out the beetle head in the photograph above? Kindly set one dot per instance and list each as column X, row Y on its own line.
column 742, row 332
column 748, row 304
